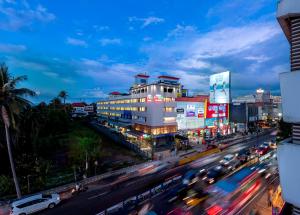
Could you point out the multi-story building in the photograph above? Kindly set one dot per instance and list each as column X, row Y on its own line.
column 148, row 110
column 288, row 15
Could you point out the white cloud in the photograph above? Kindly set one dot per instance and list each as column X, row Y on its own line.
column 94, row 93
column 147, row 39
column 258, row 59
column 76, row 42
column 182, row 29
column 192, row 63
column 101, row 28
column 12, row 48
column 108, row 41
column 121, row 74
column 68, row 80
column 233, row 40
column 146, row 21
column 51, row 74
column 22, row 15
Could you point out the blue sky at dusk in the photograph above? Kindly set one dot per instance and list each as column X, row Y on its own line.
column 92, row 47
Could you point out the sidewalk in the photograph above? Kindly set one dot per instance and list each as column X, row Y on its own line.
column 261, row 206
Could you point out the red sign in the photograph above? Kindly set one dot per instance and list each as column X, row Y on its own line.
column 216, row 110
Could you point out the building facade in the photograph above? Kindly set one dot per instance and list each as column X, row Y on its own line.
column 147, row 114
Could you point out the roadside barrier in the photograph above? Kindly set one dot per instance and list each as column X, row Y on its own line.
column 133, row 202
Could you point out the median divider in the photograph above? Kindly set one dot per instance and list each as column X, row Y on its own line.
column 197, row 156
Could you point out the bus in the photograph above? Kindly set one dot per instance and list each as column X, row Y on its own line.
column 231, row 193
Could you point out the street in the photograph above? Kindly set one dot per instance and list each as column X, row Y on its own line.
column 106, row 194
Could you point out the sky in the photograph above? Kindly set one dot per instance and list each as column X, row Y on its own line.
column 92, row 47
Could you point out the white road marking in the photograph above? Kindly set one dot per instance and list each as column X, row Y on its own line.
column 98, row 195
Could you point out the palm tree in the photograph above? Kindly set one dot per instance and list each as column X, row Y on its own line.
column 63, row 95
column 12, row 102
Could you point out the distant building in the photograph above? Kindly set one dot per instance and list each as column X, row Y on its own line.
column 268, row 106
column 80, row 109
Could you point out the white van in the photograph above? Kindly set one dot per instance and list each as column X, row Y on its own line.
column 34, row 203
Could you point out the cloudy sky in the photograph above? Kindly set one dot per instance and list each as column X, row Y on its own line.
column 90, row 48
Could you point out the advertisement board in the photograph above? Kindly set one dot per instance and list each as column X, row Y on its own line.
column 190, row 115
column 216, row 110
column 219, row 88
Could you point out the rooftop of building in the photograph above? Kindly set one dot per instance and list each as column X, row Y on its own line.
column 79, row 104
column 199, row 98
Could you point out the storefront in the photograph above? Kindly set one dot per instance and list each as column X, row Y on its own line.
column 216, row 121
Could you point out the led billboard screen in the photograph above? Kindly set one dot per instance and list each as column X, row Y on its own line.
column 219, row 88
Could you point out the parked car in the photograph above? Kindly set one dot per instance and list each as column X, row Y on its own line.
column 32, row 204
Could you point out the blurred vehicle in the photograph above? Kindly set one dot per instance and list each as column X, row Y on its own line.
column 231, row 194
column 177, row 193
column 227, row 159
column 273, row 145
column 244, row 155
column 234, row 164
column 202, row 173
column 214, row 174
column 262, row 150
column 195, row 196
column 179, row 211
column 34, row 204
column 190, row 177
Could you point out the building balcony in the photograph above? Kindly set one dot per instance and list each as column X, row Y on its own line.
column 288, row 155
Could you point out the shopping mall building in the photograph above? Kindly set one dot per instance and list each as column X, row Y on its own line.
column 146, row 115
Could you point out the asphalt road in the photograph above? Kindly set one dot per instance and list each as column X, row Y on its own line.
column 103, row 196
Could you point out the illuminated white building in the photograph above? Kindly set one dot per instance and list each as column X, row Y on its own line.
column 288, row 15
column 148, row 108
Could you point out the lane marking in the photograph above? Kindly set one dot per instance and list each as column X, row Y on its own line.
column 98, row 195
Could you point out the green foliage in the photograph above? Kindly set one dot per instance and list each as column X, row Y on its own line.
column 84, row 141
column 6, row 185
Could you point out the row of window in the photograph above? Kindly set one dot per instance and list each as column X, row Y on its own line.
column 139, row 109
column 123, row 101
column 111, row 114
column 128, row 101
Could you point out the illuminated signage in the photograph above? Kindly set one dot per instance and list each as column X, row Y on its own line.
column 216, row 110
column 219, row 88
column 158, row 98
column 149, row 98
column 190, row 114
column 180, row 110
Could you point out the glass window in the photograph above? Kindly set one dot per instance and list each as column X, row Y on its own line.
column 165, row 89
column 170, row 90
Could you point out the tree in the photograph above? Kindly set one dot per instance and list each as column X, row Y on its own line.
column 63, row 95
column 12, row 102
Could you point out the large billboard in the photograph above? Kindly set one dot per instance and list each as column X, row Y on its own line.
column 219, row 88
column 190, row 115
column 216, row 110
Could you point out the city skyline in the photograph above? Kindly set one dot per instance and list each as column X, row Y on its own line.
column 92, row 49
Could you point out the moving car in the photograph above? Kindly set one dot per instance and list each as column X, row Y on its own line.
column 262, row 150
column 195, row 196
column 214, row 174
column 227, row 159
column 34, row 204
column 177, row 193
column 190, row 177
